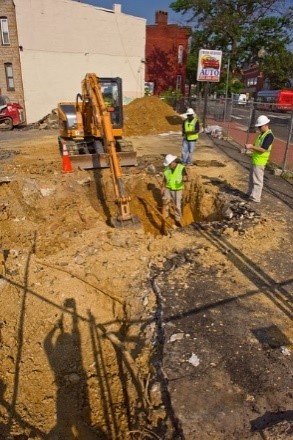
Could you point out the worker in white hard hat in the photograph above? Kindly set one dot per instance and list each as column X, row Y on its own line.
column 190, row 131
column 261, row 150
column 174, row 176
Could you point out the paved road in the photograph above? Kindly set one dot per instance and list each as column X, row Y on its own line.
column 22, row 135
column 280, row 122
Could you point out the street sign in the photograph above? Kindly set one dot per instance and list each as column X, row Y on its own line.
column 209, row 65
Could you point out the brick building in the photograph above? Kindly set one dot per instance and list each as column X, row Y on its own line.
column 166, row 54
column 253, row 80
column 10, row 67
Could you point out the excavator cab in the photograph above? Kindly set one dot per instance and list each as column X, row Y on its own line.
column 112, row 93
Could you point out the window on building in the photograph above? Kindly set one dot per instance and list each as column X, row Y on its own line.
column 4, row 31
column 9, row 76
column 252, row 81
column 178, row 82
column 180, row 53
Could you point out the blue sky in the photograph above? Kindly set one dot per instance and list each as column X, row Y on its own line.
column 141, row 8
column 147, row 9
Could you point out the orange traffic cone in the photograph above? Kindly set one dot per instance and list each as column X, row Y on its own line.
column 66, row 162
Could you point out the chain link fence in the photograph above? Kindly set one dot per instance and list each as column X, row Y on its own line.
column 237, row 121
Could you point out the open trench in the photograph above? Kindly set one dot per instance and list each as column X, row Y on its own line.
column 91, row 357
column 200, row 202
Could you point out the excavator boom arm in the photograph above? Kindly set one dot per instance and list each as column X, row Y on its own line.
column 102, row 118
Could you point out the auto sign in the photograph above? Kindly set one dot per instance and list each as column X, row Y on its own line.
column 209, row 65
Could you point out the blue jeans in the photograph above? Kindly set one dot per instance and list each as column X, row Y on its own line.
column 188, row 148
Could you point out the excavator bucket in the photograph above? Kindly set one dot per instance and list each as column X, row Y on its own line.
column 101, row 160
column 132, row 223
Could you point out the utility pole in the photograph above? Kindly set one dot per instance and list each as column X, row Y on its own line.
column 288, row 143
column 205, row 104
column 227, row 87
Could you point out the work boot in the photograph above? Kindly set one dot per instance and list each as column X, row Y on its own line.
column 251, row 199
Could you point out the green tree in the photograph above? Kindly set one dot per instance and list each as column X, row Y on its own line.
column 191, row 67
column 171, row 96
column 238, row 27
column 234, row 86
column 278, row 68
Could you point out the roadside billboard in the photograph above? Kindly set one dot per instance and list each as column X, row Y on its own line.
column 209, row 65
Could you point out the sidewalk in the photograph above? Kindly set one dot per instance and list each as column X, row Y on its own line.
column 238, row 133
column 274, row 186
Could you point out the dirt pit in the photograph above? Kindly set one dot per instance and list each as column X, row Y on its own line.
column 76, row 314
column 200, row 202
column 79, row 312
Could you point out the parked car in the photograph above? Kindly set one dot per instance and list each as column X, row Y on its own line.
column 11, row 113
column 240, row 99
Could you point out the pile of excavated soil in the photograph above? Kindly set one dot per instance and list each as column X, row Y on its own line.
column 149, row 115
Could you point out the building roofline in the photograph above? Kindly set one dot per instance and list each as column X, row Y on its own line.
column 111, row 11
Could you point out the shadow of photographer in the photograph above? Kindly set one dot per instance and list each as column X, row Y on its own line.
column 63, row 350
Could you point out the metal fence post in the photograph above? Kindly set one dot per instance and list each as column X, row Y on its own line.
column 206, row 89
column 288, row 144
column 251, row 119
column 231, row 115
column 251, row 127
column 227, row 87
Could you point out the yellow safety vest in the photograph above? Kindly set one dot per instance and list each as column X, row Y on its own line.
column 258, row 158
column 189, row 126
column 174, row 179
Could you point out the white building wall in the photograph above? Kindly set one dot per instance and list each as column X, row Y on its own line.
column 62, row 40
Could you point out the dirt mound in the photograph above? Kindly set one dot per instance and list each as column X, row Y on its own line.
column 149, row 115
column 47, row 122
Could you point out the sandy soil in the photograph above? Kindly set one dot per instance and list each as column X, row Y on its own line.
column 87, row 310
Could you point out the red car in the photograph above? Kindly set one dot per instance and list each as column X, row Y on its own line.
column 210, row 62
column 11, row 113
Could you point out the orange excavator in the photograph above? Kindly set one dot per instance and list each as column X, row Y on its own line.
column 91, row 129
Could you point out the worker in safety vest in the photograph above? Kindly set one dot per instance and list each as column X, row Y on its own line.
column 261, row 150
column 190, row 130
column 174, row 176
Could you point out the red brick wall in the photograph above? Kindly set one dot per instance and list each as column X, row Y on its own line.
column 162, row 67
column 10, row 54
column 252, row 72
